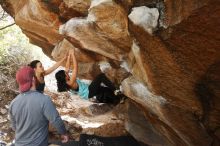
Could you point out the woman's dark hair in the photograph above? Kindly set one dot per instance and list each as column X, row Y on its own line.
column 33, row 63
column 61, row 81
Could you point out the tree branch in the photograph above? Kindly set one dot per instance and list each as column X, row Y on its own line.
column 7, row 26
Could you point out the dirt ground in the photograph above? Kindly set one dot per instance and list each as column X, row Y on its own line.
column 6, row 96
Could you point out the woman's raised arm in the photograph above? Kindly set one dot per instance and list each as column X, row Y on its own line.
column 72, row 81
column 54, row 67
column 67, row 67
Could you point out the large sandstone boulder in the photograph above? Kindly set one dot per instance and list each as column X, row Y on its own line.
column 170, row 50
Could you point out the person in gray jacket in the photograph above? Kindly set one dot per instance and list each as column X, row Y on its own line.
column 30, row 113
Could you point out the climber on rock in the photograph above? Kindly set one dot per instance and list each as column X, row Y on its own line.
column 40, row 73
column 30, row 113
column 104, row 94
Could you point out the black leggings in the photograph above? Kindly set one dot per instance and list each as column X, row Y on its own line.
column 103, row 94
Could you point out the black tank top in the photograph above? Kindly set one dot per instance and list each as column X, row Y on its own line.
column 40, row 87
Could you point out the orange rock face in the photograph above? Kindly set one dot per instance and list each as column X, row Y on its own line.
column 176, row 11
column 174, row 80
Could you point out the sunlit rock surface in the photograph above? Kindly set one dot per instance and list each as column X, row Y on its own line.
column 173, row 76
column 145, row 17
column 82, row 116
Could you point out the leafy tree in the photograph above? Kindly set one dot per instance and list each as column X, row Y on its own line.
column 15, row 49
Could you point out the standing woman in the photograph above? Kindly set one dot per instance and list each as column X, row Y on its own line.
column 40, row 73
column 106, row 94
